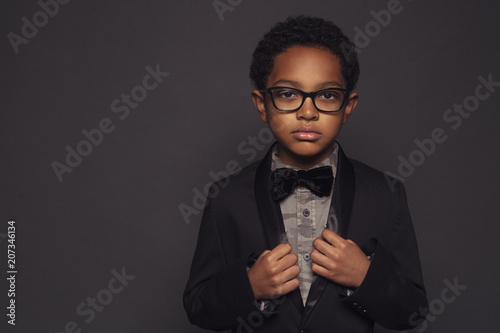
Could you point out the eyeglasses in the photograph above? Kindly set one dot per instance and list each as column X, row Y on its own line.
column 291, row 99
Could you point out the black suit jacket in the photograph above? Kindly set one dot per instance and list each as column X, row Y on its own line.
column 242, row 220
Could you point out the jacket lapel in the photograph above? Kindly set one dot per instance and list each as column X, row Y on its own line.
column 343, row 196
column 270, row 215
column 338, row 220
column 269, row 210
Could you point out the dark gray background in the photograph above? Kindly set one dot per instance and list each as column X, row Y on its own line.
column 120, row 206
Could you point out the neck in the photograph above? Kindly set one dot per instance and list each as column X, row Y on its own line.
column 302, row 162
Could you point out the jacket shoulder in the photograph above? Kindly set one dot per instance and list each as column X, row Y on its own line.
column 235, row 185
column 369, row 176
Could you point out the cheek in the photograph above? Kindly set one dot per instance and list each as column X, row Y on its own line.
column 278, row 123
column 336, row 122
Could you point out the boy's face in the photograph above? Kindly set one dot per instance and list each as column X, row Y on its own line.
column 306, row 136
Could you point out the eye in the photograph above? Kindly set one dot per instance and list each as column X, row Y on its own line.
column 284, row 93
column 330, row 95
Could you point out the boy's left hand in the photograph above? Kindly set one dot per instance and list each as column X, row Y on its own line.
column 339, row 260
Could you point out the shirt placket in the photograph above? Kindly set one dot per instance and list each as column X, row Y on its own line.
column 306, row 231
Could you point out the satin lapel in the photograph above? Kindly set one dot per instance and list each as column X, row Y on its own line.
column 270, row 215
column 338, row 220
column 269, row 210
column 343, row 195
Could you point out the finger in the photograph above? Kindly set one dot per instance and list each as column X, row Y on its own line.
column 280, row 251
column 322, row 260
column 331, row 237
column 321, row 271
column 290, row 286
column 263, row 254
column 288, row 260
column 290, row 273
column 323, row 247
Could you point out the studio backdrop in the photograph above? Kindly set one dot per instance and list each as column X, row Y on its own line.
column 117, row 115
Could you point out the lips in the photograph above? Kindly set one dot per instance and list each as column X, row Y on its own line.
column 306, row 133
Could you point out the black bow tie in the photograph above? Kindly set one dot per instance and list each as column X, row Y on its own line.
column 318, row 180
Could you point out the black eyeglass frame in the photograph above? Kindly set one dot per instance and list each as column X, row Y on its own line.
column 312, row 94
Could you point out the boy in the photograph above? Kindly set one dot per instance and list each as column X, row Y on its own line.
column 278, row 247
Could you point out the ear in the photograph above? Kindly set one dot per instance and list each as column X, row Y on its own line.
column 260, row 105
column 350, row 106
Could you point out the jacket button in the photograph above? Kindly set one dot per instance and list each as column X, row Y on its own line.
column 306, row 212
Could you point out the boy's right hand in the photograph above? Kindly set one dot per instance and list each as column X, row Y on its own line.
column 274, row 273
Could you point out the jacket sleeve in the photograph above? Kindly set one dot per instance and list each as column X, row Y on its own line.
column 218, row 293
column 393, row 293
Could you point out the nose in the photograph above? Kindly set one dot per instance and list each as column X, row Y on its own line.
column 308, row 111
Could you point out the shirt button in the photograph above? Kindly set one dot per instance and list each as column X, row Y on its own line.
column 307, row 256
column 306, row 212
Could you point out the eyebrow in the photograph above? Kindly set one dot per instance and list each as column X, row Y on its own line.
column 297, row 84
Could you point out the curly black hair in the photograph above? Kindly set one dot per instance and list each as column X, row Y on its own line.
column 303, row 31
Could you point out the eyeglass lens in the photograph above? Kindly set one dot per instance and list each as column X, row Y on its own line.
column 289, row 99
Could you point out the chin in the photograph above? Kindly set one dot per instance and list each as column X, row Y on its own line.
column 310, row 148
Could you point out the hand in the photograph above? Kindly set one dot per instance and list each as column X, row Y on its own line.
column 274, row 273
column 339, row 260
